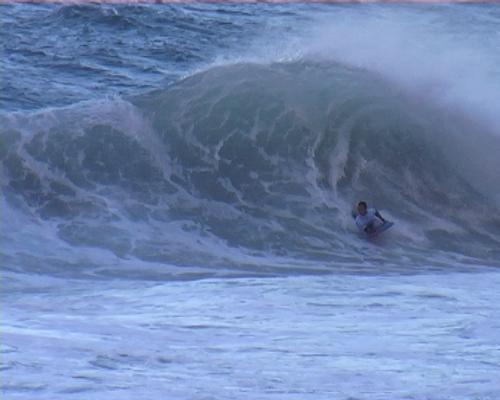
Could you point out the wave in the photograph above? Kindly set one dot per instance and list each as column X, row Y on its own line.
column 248, row 161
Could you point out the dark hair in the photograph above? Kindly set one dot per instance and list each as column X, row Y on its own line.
column 363, row 203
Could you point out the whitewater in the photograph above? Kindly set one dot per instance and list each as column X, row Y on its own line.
column 177, row 183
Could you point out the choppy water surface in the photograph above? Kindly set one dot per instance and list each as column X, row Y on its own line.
column 169, row 143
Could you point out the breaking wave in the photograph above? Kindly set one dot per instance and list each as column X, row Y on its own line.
column 246, row 162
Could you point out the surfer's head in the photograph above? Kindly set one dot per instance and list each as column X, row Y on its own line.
column 362, row 206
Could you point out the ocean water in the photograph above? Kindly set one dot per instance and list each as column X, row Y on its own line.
column 176, row 189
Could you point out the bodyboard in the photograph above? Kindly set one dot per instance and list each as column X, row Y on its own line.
column 380, row 228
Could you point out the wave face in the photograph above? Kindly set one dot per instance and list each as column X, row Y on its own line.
column 250, row 168
column 244, row 162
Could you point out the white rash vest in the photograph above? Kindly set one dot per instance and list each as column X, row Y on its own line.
column 363, row 220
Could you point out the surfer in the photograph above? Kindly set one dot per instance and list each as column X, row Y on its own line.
column 365, row 217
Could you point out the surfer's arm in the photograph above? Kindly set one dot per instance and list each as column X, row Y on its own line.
column 377, row 214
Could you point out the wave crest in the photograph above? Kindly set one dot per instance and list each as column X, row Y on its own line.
column 262, row 158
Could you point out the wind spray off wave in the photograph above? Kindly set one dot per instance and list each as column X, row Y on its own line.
column 255, row 164
column 180, row 174
column 261, row 159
